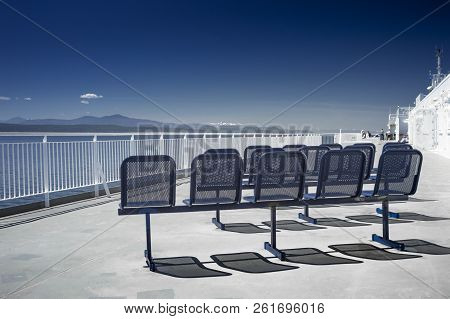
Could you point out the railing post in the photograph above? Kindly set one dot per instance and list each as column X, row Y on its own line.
column 95, row 166
column 233, row 142
column 161, row 145
column 204, row 147
column 45, row 159
column 185, row 152
column 133, row 147
column 340, row 136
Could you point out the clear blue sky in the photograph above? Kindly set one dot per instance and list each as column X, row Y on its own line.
column 211, row 61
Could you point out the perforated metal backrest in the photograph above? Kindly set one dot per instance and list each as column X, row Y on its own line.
column 256, row 155
column 398, row 172
column 248, row 154
column 333, row 147
column 370, row 156
column 368, row 144
column 223, row 151
column 293, row 147
column 396, row 146
column 280, row 176
column 313, row 155
column 341, row 174
column 148, row 181
column 216, row 179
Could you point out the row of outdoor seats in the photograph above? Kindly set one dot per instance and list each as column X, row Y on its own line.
column 149, row 186
column 313, row 156
column 216, row 177
column 248, row 153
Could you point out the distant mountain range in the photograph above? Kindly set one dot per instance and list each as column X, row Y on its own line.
column 118, row 123
column 116, row 119
column 106, row 124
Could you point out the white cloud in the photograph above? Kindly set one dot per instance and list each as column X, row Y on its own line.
column 84, row 102
column 27, row 98
column 4, row 98
column 91, row 96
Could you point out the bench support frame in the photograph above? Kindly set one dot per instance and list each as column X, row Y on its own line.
column 391, row 214
column 384, row 240
column 272, row 246
column 148, row 252
column 305, row 216
column 216, row 221
column 269, row 246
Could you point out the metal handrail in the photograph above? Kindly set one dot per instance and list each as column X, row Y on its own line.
column 41, row 168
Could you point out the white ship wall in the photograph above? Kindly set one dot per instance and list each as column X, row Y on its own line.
column 428, row 125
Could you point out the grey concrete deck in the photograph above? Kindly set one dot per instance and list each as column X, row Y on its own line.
column 91, row 252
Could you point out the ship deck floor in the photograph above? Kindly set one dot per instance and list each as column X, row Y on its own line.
column 85, row 250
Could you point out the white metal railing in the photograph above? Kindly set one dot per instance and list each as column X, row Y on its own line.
column 41, row 168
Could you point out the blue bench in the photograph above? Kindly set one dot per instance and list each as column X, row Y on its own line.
column 216, row 179
column 149, row 186
column 341, row 176
column 399, row 172
column 248, row 154
column 369, row 152
column 313, row 155
column 256, row 155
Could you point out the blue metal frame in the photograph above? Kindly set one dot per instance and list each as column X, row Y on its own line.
column 384, row 240
column 305, row 215
column 269, row 246
column 272, row 245
column 148, row 252
column 390, row 214
column 216, row 220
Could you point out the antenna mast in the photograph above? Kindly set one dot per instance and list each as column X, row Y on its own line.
column 438, row 56
column 438, row 76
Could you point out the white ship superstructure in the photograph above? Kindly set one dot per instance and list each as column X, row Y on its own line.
column 429, row 120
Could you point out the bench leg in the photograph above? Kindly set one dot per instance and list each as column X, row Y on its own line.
column 272, row 246
column 305, row 216
column 148, row 251
column 384, row 240
column 216, row 220
column 391, row 214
